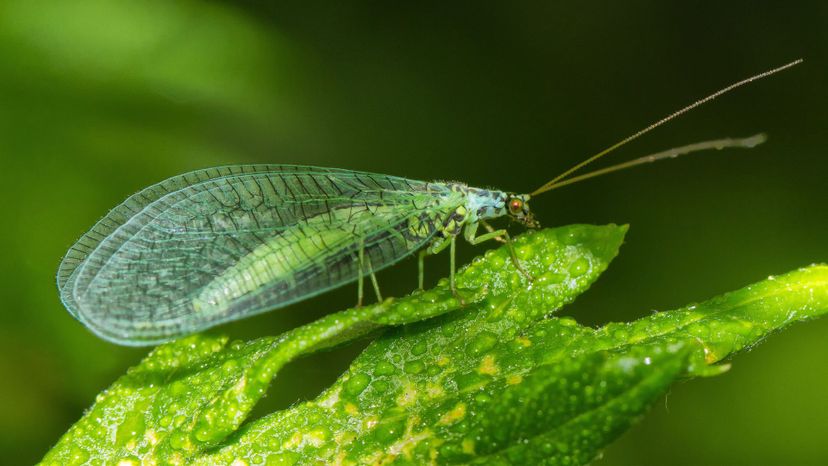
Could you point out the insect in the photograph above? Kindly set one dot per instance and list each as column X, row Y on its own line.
column 220, row 244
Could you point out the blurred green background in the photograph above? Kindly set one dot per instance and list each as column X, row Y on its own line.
column 101, row 98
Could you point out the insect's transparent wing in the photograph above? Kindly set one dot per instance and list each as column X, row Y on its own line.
column 220, row 244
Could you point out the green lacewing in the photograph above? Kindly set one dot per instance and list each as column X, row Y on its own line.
column 221, row 244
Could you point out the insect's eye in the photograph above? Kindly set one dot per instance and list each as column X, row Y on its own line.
column 515, row 206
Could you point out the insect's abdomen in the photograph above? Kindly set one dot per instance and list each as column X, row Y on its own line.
column 276, row 261
column 320, row 243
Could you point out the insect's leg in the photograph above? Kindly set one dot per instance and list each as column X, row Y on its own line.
column 421, row 268
column 470, row 233
column 454, row 291
column 497, row 235
column 502, row 235
column 451, row 267
column 436, row 247
column 361, row 279
column 374, row 280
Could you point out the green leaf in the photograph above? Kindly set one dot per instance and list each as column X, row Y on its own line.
column 493, row 381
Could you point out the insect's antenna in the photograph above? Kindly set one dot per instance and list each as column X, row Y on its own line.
column 726, row 143
column 552, row 184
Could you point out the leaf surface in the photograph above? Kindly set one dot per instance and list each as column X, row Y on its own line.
column 495, row 381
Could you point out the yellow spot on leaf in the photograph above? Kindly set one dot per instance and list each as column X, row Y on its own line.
column 341, row 460
column 408, row 395
column 294, row 441
column 407, row 444
column 433, row 390
column 514, row 379
column 523, row 341
column 468, row 446
column 371, row 422
column 488, row 366
column 457, row 413
column 409, row 440
column 443, row 361
column 314, row 438
column 374, row 459
column 351, row 409
column 709, row 356
column 331, row 399
column 344, row 438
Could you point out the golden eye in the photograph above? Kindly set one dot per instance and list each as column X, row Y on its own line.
column 515, row 206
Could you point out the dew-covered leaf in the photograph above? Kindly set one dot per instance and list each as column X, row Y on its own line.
column 480, row 388
column 496, row 381
column 188, row 395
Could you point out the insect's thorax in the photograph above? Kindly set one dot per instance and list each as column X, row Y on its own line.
column 485, row 204
column 474, row 204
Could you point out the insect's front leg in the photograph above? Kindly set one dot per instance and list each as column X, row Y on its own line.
column 470, row 233
column 498, row 235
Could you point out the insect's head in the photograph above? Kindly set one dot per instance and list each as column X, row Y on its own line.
column 517, row 206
